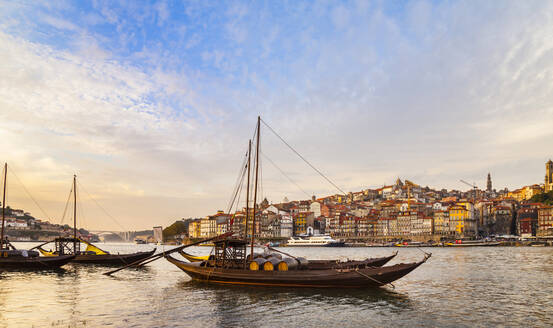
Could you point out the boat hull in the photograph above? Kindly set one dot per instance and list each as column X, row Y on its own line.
column 332, row 278
column 34, row 263
column 112, row 259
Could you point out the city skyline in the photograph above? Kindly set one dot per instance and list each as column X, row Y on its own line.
column 152, row 106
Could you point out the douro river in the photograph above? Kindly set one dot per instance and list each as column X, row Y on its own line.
column 457, row 287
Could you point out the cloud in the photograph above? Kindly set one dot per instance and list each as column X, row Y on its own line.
column 157, row 101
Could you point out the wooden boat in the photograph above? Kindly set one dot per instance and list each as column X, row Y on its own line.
column 471, row 243
column 30, row 260
column 92, row 254
column 229, row 266
column 325, row 278
column 19, row 259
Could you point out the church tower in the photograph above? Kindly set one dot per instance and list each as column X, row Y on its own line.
column 489, row 184
column 549, row 176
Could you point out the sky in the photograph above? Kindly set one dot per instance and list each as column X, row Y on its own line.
column 151, row 103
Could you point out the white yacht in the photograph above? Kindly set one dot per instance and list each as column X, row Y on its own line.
column 322, row 240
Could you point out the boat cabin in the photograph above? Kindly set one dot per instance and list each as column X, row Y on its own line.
column 229, row 253
column 67, row 246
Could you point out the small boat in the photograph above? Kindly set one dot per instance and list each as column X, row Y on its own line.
column 315, row 241
column 92, row 254
column 139, row 241
column 25, row 260
column 20, row 259
column 471, row 243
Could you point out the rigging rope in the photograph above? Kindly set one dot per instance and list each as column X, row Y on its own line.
column 98, row 204
column 300, row 156
column 285, row 175
column 66, row 205
column 237, row 183
column 28, row 193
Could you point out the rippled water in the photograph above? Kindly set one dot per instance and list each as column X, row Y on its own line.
column 460, row 287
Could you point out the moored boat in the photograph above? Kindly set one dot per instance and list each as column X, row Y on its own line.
column 92, row 254
column 471, row 243
column 20, row 259
column 351, row 277
column 314, row 241
column 30, row 260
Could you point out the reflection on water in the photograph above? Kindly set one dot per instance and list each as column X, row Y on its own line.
column 466, row 287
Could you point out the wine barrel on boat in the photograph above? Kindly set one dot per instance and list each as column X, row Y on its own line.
column 287, row 263
column 271, row 264
column 257, row 264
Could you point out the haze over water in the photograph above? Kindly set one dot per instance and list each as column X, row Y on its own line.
column 471, row 287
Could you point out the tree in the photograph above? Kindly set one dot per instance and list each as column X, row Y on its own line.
column 174, row 229
column 545, row 198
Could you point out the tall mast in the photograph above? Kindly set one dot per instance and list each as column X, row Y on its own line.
column 75, row 213
column 248, row 192
column 255, row 186
column 4, row 205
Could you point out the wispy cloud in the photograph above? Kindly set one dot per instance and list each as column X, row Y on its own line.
column 154, row 102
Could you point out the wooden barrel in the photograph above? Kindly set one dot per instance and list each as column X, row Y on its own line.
column 287, row 263
column 271, row 264
column 257, row 264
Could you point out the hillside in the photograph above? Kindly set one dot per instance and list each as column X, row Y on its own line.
column 545, row 198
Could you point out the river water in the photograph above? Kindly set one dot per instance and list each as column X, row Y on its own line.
column 457, row 287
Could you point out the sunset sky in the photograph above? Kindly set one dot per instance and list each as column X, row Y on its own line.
column 152, row 104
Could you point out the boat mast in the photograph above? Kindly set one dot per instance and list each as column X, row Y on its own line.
column 4, row 205
column 255, row 186
column 248, row 192
column 75, row 214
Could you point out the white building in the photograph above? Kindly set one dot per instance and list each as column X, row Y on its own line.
column 315, row 207
column 286, row 226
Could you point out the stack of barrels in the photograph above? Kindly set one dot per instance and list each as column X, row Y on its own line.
column 275, row 262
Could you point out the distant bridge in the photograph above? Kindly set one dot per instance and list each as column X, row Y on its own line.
column 124, row 235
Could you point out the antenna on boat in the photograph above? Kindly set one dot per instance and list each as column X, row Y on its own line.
column 256, row 183
column 4, row 205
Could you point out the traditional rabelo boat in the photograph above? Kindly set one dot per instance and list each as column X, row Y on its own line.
column 21, row 259
column 231, row 265
column 92, row 254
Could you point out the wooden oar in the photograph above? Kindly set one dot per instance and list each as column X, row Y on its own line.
column 283, row 253
column 162, row 254
column 40, row 245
